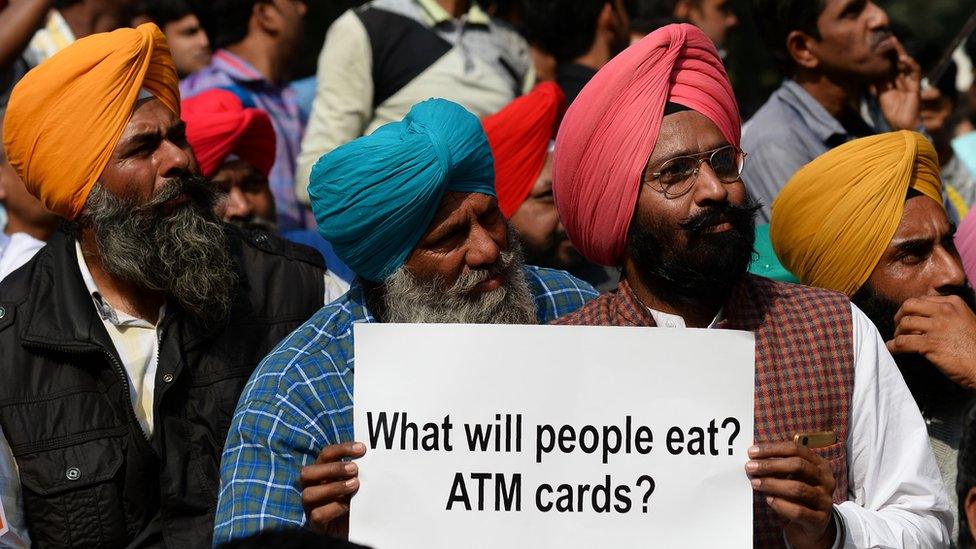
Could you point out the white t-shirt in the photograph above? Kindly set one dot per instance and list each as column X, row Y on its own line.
column 15, row 250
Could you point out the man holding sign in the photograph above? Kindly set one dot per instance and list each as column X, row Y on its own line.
column 647, row 177
column 411, row 209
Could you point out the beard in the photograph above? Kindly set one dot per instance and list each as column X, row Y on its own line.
column 180, row 250
column 926, row 382
column 407, row 299
column 708, row 267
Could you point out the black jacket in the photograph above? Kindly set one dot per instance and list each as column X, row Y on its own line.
column 90, row 476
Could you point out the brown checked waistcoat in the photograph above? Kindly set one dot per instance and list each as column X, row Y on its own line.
column 804, row 366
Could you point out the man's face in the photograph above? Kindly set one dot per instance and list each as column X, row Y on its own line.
column 537, row 222
column 466, row 268
column 935, row 110
column 699, row 244
column 24, row 212
column 151, row 218
column 247, row 197
column 921, row 260
column 714, row 17
column 289, row 15
column 188, row 44
column 854, row 40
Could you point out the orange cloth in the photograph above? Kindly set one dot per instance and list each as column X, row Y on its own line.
column 834, row 219
column 519, row 136
column 66, row 115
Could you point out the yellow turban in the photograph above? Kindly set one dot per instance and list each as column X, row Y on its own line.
column 834, row 219
column 66, row 115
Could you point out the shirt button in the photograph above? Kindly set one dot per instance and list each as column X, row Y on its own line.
column 2, row 312
column 671, row 324
column 168, row 378
column 73, row 473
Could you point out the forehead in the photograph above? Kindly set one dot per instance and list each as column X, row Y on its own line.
column 149, row 116
column 686, row 132
column 458, row 205
column 922, row 218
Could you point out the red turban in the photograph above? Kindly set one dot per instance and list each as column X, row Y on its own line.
column 218, row 125
column 519, row 136
column 611, row 129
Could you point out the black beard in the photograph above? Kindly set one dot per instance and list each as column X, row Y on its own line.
column 925, row 381
column 708, row 268
column 180, row 250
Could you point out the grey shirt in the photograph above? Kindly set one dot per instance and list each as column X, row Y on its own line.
column 790, row 130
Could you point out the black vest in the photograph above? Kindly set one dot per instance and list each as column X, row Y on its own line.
column 90, row 476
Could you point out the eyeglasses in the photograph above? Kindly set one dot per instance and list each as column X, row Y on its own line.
column 678, row 175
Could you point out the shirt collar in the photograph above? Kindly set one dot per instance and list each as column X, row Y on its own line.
column 438, row 15
column 814, row 115
column 105, row 310
column 235, row 67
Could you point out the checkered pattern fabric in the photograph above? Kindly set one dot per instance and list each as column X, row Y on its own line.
column 299, row 400
column 804, row 366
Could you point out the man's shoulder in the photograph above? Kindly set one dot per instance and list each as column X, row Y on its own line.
column 319, row 348
column 596, row 312
column 267, row 244
column 207, row 78
column 770, row 123
column 556, row 292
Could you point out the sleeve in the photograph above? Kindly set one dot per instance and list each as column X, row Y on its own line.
column 898, row 499
column 259, row 473
column 343, row 104
column 13, row 524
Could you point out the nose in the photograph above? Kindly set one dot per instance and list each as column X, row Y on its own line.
column 174, row 161
column 877, row 17
column 236, row 206
column 483, row 248
column 949, row 271
column 202, row 37
column 708, row 187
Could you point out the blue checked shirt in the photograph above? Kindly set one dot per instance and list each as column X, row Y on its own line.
column 299, row 400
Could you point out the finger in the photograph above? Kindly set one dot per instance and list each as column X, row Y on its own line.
column 324, row 494
column 788, row 448
column 908, row 343
column 794, row 512
column 792, row 490
column 335, row 452
column 795, row 468
column 319, row 519
column 915, row 325
column 926, row 306
column 321, row 472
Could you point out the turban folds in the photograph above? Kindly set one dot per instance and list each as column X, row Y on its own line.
column 610, row 131
column 67, row 114
column 834, row 219
column 519, row 136
column 375, row 197
column 218, row 125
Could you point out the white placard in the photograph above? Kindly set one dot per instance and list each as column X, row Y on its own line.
column 607, row 436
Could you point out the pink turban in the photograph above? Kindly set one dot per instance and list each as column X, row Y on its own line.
column 966, row 244
column 610, row 131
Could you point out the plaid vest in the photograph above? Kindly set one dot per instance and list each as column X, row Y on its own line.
column 804, row 366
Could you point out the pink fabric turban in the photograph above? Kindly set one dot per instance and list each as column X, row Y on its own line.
column 966, row 244
column 611, row 129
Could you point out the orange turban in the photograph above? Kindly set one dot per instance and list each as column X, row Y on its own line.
column 67, row 114
column 519, row 136
column 610, row 131
column 835, row 217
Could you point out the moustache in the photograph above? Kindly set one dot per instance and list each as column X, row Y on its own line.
column 738, row 215
column 184, row 191
column 467, row 282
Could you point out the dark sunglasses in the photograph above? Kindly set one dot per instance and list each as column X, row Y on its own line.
column 677, row 175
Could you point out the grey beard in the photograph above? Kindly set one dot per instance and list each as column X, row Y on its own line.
column 182, row 253
column 410, row 300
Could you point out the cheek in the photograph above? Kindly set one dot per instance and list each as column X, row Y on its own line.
column 427, row 265
column 901, row 281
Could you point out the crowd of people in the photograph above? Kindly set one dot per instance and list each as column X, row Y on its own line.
column 190, row 235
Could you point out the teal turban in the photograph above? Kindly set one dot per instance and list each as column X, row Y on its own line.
column 375, row 197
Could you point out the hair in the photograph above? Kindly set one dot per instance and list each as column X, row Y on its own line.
column 234, row 20
column 776, row 19
column 564, row 28
column 164, row 12
column 966, row 475
column 61, row 4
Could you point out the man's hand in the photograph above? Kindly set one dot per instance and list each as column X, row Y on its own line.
column 900, row 95
column 327, row 486
column 799, row 487
column 943, row 330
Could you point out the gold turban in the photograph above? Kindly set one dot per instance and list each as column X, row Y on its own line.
column 66, row 115
column 834, row 219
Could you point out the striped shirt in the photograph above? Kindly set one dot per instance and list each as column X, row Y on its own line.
column 299, row 400
column 230, row 72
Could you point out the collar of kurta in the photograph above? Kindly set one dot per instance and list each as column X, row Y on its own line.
column 438, row 15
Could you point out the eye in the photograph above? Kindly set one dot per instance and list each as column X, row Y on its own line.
column 677, row 169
